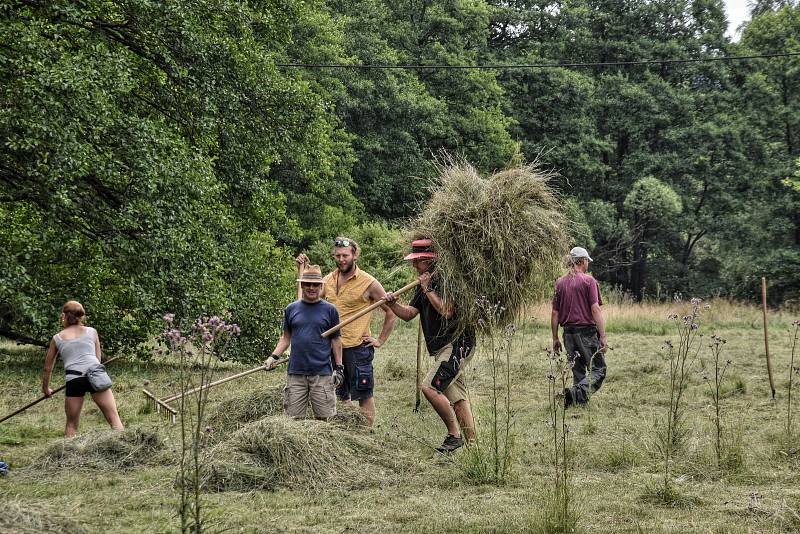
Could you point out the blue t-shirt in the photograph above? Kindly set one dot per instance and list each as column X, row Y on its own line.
column 305, row 322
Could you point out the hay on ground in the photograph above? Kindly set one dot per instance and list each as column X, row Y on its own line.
column 349, row 418
column 499, row 240
column 304, row 455
column 107, row 449
column 234, row 413
column 17, row 517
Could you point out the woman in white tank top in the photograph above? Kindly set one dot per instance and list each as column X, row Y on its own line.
column 79, row 347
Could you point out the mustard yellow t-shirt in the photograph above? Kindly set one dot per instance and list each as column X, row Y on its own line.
column 349, row 300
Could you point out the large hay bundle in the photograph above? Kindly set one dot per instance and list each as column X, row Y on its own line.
column 107, row 449
column 305, row 455
column 499, row 240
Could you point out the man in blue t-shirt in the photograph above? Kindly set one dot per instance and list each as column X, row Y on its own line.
column 310, row 377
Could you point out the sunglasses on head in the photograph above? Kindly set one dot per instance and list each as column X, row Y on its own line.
column 342, row 243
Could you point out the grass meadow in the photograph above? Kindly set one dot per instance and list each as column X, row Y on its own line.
column 615, row 458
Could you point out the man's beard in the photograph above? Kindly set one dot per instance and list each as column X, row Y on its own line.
column 348, row 267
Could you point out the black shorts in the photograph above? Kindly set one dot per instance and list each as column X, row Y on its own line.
column 79, row 386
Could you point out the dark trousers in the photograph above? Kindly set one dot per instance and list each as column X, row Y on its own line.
column 582, row 344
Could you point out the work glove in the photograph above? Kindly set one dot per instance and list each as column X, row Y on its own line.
column 338, row 376
column 271, row 362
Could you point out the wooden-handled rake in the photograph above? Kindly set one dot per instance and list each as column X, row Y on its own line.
column 165, row 410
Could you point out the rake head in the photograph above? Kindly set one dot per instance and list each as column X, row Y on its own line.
column 164, row 410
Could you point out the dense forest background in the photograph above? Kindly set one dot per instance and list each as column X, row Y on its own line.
column 160, row 156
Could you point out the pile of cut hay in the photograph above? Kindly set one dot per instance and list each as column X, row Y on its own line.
column 235, row 413
column 305, row 455
column 500, row 240
column 107, row 449
column 26, row 518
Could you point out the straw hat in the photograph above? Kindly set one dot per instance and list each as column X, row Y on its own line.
column 421, row 248
column 312, row 274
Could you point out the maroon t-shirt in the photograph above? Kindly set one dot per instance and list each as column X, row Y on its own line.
column 575, row 294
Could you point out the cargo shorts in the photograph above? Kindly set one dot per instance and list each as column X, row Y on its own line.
column 316, row 389
column 457, row 390
column 359, row 375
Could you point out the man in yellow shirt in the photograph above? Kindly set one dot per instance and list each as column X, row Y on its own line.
column 350, row 289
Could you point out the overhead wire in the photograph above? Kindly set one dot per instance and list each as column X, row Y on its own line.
column 505, row 66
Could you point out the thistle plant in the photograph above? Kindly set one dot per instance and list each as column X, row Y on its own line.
column 715, row 384
column 792, row 371
column 489, row 460
column 561, row 515
column 681, row 359
column 198, row 351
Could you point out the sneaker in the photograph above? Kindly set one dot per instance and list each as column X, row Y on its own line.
column 450, row 444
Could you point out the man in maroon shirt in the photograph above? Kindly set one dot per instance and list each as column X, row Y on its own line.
column 576, row 307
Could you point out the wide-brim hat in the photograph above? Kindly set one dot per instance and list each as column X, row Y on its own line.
column 421, row 248
column 312, row 274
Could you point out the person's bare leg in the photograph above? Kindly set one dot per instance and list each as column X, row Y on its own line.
column 367, row 407
column 441, row 405
column 465, row 420
column 72, row 407
column 105, row 401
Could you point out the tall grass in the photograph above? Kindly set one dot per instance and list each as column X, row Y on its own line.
column 624, row 316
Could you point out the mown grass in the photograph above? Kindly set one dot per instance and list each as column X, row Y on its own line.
column 616, row 464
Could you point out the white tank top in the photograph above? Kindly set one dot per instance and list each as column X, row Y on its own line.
column 78, row 354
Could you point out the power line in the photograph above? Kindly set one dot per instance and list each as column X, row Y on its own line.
column 533, row 65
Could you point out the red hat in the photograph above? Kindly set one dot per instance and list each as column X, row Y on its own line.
column 421, row 248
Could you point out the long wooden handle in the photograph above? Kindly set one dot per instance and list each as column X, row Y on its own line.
column 43, row 397
column 766, row 340
column 362, row 312
column 221, row 381
column 419, row 366
column 300, row 268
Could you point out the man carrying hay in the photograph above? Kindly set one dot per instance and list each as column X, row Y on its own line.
column 350, row 289
column 310, row 377
column 576, row 307
column 447, row 342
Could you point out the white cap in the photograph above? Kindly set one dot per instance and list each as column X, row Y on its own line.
column 580, row 252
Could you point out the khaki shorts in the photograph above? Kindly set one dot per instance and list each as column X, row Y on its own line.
column 300, row 389
column 457, row 390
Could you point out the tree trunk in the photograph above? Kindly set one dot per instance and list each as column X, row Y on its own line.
column 638, row 270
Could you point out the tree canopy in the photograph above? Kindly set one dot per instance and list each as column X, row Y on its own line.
column 158, row 158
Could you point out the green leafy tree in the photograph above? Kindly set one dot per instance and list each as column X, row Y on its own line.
column 151, row 159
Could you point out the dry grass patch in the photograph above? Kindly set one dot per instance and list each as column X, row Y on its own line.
column 105, row 449
column 24, row 518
